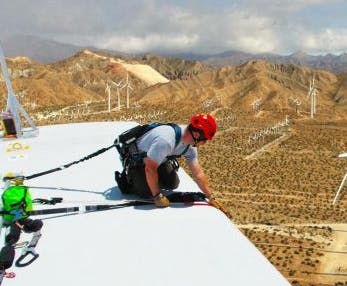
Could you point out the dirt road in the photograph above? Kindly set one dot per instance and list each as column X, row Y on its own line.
column 334, row 265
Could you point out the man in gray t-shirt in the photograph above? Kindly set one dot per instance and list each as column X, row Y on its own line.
column 158, row 169
column 159, row 143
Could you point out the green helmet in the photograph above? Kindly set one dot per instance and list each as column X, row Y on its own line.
column 16, row 197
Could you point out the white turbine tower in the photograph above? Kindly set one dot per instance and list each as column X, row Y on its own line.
column 312, row 93
column 118, row 86
column 11, row 116
column 256, row 104
column 296, row 102
column 128, row 87
column 108, row 92
column 343, row 155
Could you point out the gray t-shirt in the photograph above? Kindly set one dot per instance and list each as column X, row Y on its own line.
column 160, row 143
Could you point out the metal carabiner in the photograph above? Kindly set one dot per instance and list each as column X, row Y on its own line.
column 23, row 256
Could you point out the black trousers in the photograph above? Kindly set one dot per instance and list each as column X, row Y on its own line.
column 167, row 177
column 7, row 253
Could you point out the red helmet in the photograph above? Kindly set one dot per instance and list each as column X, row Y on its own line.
column 205, row 123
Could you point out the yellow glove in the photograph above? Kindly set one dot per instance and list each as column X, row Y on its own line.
column 161, row 201
column 217, row 205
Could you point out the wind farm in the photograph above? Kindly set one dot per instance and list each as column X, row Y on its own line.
column 274, row 167
column 273, row 75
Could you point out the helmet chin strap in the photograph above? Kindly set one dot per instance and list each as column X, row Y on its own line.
column 191, row 133
column 196, row 140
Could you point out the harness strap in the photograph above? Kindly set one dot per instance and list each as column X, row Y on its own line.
column 22, row 200
column 180, row 155
column 177, row 129
column 178, row 133
column 185, row 150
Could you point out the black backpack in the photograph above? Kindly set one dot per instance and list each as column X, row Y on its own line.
column 126, row 142
column 136, row 132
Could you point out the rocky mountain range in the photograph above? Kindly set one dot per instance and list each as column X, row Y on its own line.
column 330, row 62
column 174, row 67
column 43, row 50
column 48, row 51
column 159, row 81
column 77, row 79
column 277, row 88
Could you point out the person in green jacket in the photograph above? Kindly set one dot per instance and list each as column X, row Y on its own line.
column 17, row 202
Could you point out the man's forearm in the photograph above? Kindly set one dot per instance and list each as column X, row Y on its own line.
column 200, row 177
column 152, row 180
column 202, row 182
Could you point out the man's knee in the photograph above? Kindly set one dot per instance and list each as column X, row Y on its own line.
column 168, row 177
column 7, row 254
column 32, row 225
column 138, row 181
column 171, row 183
column 13, row 235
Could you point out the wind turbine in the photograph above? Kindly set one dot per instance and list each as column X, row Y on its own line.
column 108, row 92
column 343, row 155
column 256, row 104
column 219, row 98
column 296, row 103
column 312, row 93
column 118, row 86
column 128, row 87
column 11, row 116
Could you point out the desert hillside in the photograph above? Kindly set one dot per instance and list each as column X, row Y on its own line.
column 39, row 85
column 82, row 78
column 78, row 79
column 331, row 62
column 175, row 68
column 277, row 86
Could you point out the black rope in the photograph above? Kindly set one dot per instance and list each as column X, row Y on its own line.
column 179, row 197
column 97, row 153
column 52, row 201
column 82, row 209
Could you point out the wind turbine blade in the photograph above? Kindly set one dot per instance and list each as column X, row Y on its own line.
column 340, row 188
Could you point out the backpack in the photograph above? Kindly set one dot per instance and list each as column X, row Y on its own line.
column 16, row 198
column 136, row 132
column 126, row 142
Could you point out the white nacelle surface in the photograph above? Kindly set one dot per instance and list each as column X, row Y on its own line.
column 179, row 245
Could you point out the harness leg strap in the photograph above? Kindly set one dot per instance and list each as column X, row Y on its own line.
column 29, row 250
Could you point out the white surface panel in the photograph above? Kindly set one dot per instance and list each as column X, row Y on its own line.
column 194, row 245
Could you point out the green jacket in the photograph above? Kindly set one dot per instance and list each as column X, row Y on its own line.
column 16, row 198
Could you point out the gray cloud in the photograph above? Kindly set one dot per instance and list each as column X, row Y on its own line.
column 153, row 25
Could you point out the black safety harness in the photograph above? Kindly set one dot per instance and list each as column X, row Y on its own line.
column 131, row 156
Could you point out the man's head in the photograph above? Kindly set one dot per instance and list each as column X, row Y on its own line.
column 202, row 127
column 15, row 178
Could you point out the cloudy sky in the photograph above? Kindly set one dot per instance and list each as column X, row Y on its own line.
column 205, row 26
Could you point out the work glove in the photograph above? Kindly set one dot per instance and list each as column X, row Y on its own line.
column 213, row 202
column 161, row 201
